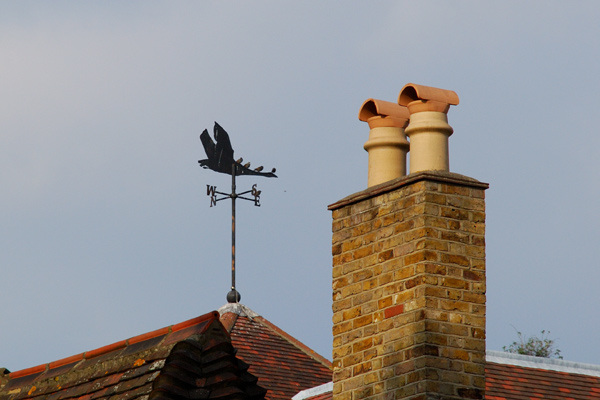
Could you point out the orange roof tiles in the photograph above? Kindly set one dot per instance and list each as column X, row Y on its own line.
column 283, row 365
column 504, row 381
column 194, row 359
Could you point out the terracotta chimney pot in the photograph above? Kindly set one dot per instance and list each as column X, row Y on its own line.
column 387, row 145
column 428, row 129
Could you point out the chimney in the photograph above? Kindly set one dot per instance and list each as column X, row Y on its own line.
column 409, row 274
column 428, row 130
column 387, row 145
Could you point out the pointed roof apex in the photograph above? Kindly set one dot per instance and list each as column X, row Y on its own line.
column 230, row 312
column 238, row 309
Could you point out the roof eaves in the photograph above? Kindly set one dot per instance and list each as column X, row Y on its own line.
column 25, row 377
column 550, row 364
column 314, row 391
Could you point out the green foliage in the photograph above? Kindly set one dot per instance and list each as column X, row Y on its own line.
column 541, row 346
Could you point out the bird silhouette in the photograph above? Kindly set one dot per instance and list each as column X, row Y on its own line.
column 220, row 155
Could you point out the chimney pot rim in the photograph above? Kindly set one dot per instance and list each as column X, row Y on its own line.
column 384, row 109
column 412, row 92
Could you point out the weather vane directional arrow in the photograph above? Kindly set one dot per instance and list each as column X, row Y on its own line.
column 220, row 159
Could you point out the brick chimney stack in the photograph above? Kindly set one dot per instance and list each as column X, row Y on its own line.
column 409, row 274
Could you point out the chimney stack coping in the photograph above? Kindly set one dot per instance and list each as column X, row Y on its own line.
column 434, row 176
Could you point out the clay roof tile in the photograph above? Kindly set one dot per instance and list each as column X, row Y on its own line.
column 160, row 364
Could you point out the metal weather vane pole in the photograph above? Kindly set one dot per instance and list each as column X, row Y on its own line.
column 220, row 159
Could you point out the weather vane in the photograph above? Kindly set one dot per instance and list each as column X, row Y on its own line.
column 220, row 159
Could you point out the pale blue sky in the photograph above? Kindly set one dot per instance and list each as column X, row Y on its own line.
column 105, row 226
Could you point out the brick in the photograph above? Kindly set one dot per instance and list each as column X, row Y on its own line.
column 474, row 275
column 473, row 227
column 371, row 377
column 342, row 327
column 351, row 244
column 420, row 232
column 422, row 255
column 478, row 333
column 362, row 345
column 362, row 392
column 404, row 226
column 339, row 213
column 385, row 232
column 350, row 266
column 477, row 194
column 341, row 304
column 362, row 252
column 423, row 350
column 342, row 259
column 385, row 302
column 404, row 249
column 337, row 271
column 454, row 283
column 385, row 279
column 369, row 238
column 350, row 336
column 351, row 313
column 454, row 294
column 385, row 255
column 454, row 305
column 362, row 275
column 477, row 216
column 393, row 311
column 370, row 330
column 371, row 354
column 358, row 208
column 351, row 289
column 434, row 269
column 341, row 352
column 361, row 368
column 341, row 282
column 362, row 321
column 385, row 208
column 340, row 236
column 455, row 259
column 362, row 298
column 434, row 198
column 369, row 284
column 391, row 218
column 474, row 320
column 351, row 360
column 477, row 240
column 452, row 189
column 475, row 251
column 336, row 249
column 454, row 213
column 431, row 244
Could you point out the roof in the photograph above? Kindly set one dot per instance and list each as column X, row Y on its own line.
column 283, row 365
column 191, row 360
column 514, row 376
column 519, row 377
column 219, row 355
